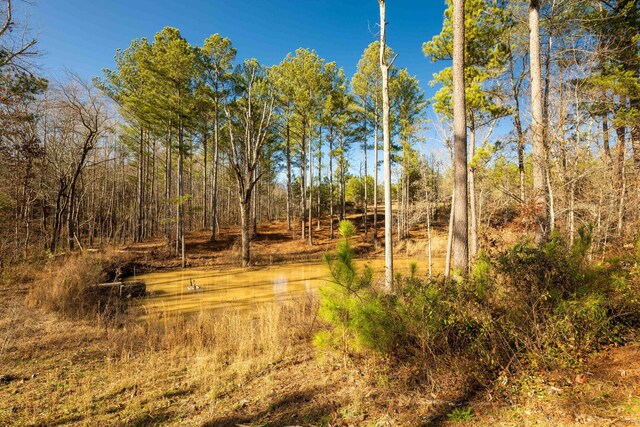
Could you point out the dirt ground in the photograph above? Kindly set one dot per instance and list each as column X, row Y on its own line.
column 275, row 244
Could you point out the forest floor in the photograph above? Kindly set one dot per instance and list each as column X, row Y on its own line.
column 276, row 244
column 62, row 372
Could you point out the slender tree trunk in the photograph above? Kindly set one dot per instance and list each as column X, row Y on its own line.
column 205, row 183
column 473, row 213
column 168, row 191
column 183, row 258
column 447, row 262
column 364, row 150
column 386, row 136
column 343, row 184
column 375, row 173
column 331, row 184
column 216, row 154
column 605, row 138
column 460, row 226
column 619, row 170
column 303, row 187
column 140, row 183
column 310, row 190
column 515, row 88
column 255, row 205
column 428, row 211
column 288, row 158
column 537, row 125
column 318, row 203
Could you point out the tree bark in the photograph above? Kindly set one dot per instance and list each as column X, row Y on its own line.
column 288, row 158
column 183, row 259
column 386, row 136
column 331, row 184
column 364, row 149
column 375, row 174
column 245, row 214
column 537, row 125
column 310, row 190
column 473, row 211
column 303, row 187
column 460, row 225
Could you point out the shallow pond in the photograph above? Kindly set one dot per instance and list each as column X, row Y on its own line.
column 194, row 289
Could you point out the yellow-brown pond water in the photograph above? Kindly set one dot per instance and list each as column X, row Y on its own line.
column 172, row 291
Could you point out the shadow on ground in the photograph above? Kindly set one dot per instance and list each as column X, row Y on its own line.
column 302, row 407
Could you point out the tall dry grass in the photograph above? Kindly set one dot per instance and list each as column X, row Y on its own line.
column 66, row 286
column 215, row 350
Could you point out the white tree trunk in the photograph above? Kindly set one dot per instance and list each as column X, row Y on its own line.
column 386, row 136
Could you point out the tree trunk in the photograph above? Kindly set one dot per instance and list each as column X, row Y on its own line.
column 447, row 261
column 288, row 158
column 168, row 192
column 254, row 215
column 537, row 124
column 245, row 214
column 460, row 225
column 375, row 174
column 473, row 212
column 183, row 258
column 310, row 190
column 205, row 184
column 343, row 183
column 331, row 185
column 216, row 154
column 515, row 88
column 386, row 136
column 364, row 149
column 428, row 211
column 140, row 183
column 318, row 195
column 303, row 187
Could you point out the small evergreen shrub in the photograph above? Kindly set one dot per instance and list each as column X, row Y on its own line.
column 360, row 317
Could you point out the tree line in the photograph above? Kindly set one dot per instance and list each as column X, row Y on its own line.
column 539, row 111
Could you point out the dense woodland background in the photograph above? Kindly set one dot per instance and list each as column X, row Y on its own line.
column 181, row 137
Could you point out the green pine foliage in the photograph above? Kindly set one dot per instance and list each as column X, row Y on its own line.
column 358, row 316
column 530, row 307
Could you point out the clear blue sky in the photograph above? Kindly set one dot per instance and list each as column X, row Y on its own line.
column 83, row 35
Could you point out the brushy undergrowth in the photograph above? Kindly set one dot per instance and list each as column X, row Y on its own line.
column 530, row 307
column 67, row 287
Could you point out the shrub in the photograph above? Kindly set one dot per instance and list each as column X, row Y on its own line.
column 539, row 306
column 360, row 316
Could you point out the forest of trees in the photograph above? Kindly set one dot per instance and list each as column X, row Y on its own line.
column 180, row 137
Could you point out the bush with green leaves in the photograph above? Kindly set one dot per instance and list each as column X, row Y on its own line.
column 540, row 306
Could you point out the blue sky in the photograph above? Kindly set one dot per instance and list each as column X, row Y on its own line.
column 83, row 35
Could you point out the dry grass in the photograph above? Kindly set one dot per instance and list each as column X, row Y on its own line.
column 61, row 364
column 67, row 287
column 221, row 368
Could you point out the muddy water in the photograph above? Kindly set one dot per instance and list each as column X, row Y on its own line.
column 173, row 291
